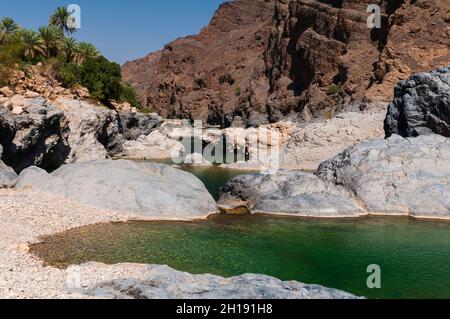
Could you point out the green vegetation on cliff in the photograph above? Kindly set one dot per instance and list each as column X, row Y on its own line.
column 72, row 63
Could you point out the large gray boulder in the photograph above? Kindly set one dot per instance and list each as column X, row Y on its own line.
column 133, row 124
column 396, row 176
column 146, row 189
column 287, row 193
column 94, row 131
column 38, row 136
column 421, row 105
column 132, row 281
column 7, row 175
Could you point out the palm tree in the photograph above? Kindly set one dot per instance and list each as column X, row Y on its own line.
column 52, row 40
column 32, row 43
column 60, row 19
column 85, row 51
column 9, row 25
column 69, row 49
column 7, row 28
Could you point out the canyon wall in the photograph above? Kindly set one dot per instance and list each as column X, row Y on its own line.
column 260, row 61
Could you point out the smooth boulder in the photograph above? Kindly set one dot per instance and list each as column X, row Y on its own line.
column 132, row 281
column 421, row 105
column 396, row 176
column 7, row 175
column 287, row 193
column 149, row 190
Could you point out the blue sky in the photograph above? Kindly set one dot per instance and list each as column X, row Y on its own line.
column 121, row 29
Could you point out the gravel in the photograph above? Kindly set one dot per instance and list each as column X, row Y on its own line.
column 24, row 217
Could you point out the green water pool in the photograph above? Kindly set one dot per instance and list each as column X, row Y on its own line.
column 214, row 177
column 414, row 256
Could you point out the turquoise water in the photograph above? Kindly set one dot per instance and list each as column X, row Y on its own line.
column 213, row 177
column 414, row 256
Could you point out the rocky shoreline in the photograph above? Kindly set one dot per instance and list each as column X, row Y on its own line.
column 296, row 91
column 24, row 218
column 402, row 175
column 393, row 177
column 24, row 276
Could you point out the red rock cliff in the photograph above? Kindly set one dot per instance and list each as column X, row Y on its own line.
column 261, row 60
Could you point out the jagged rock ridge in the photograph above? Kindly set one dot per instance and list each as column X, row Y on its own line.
column 262, row 60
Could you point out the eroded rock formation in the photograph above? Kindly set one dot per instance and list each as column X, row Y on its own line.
column 36, row 132
column 397, row 175
column 262, row 60
column 421, row 105
column 35, row 137
column 94, row 131
column 205, row 76
column 134, row 124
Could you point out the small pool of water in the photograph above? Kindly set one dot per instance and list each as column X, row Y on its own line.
column 414, row 256
column 214, row 177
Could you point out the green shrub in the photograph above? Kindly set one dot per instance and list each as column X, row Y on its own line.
column 129, row 95
column 329, row 115
column 68, row 74
column 72, row 65
column 334, row 89
column 146, row 109
column 102, row 78
column 238, row 91
column 9, row 60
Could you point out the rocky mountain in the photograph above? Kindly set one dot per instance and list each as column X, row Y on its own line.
column 262, row 60
column 206, row 76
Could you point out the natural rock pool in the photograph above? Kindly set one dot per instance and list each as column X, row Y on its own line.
column 214, row 177
column 414, row 256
